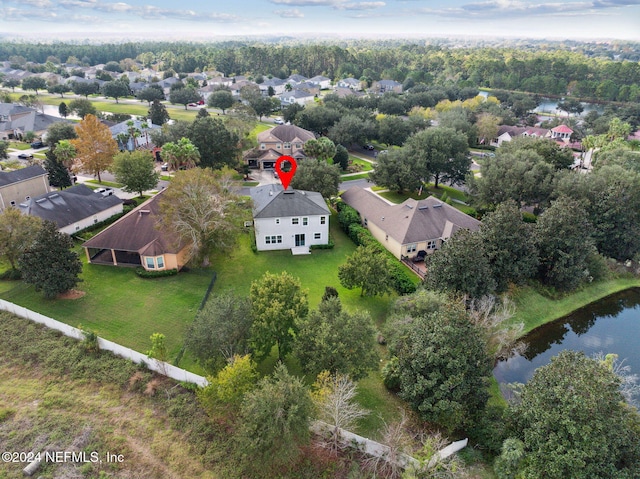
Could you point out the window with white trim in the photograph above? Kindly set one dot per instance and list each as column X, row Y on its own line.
column 277, row 221
column 287, row 146
column 263, row 146
column 276, row 239
column 411, row 248
column 317, row 236
column 160, row 262
column 432, row 244
column 279, row 146
column 150, row 263
column 295, row 221
column 305, row 221
column 323, row 220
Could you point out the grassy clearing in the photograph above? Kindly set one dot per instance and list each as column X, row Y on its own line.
column 360, row 176
column 122, row 307
column 259, row 128
column 398, row 198
column 534, row 309
column 364, row 165
column 104, row 183
column 18, row 145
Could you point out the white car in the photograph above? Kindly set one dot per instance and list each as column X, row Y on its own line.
column 278, row 121
column 104, row 191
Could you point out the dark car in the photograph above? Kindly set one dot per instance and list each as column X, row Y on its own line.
column 37, row 144
column 25, row 156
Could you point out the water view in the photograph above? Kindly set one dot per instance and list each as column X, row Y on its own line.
column 611, row 325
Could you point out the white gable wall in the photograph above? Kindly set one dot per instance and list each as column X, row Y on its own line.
column 91, row 220
column 285, row 231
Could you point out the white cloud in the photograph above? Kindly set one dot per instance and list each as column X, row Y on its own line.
column 292, row 13
column 306, row 3
column 359, row 6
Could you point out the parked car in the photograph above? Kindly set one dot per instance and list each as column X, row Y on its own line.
column 369, row 147
column 104, row 191
column 37, row 144
column 278, row 121
column 25, row 156
column 165, row 167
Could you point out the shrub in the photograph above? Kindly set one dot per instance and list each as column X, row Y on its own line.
column 143, row 273
column 11, row 275
column 391, row 375
column 347, row 216
column 529, row 217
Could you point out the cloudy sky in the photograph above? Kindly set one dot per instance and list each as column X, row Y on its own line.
column 172, row 19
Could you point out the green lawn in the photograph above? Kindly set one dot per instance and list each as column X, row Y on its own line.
column 104, row 183
column 364, row 165
column 18, row 145
column 122, row 307
column 259, row 128
column 360, row 176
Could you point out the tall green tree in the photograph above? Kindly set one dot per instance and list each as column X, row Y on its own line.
column 461, row 266
column 17, row 232
column 85, row 88
column 60, row 131
column 573, row 422
column 341, row 158
column 278, row 302
column 220, row 331
column 49, row 262
column 217, row 145
column 397, row 171
column 444, row 368
column 82, row 107
column 136, row 171
column 222, row 99
column 331, row 339
column 63, row 110
column 184, row 96
column 441, row 153
column 322, row 177
column 4, row 149
column 273, row 424
column 202, row 210
column 549, row 151
column 322, row 149
column 150, row 94
column 509, row 245
column 58, row 173
column 368, row 269
column 157, row 113
column 34, row 83
column 563, row 237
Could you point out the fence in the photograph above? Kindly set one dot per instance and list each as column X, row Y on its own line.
column 160, row 367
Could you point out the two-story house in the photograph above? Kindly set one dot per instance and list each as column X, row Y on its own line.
column 22, row 185
column 289, row 219
column 272, row 144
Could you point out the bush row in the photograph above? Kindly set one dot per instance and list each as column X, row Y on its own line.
column 143, row 273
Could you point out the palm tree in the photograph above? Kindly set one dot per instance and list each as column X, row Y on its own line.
column 181, row 155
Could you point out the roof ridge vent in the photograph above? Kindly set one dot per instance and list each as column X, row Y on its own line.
column 409, row 206
column 438, row 205
column 41, row 200
column 423, row 207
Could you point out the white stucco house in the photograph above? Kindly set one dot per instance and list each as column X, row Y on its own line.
column 296, row 96
column 291, row 219
column 322, row 81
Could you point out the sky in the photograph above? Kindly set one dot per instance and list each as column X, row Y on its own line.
column 211, row 19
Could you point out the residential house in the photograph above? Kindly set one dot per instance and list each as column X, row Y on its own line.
column 322, row 81
column 72, row 209
column 300, row 97
column 351, row 83
column 16, row 120
column 344, row 92
column 135, row 240
column 141, row 130
column 237, row 86
column 410, row 227
column 296, row 79
column 275, row 142
column 312, row 88
column 22, row 185
column 561, row 134
column 384, row 86
column 276, row 84
column 289, row 219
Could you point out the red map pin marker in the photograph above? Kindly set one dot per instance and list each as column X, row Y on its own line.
column 286, row 174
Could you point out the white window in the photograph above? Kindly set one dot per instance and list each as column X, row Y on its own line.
column 411, row 248
column 295, row 221
column 431, row 244
column 279, row 146
column 273, row 239
column 305, row 221
column 277, row 221
column 160, row 261
column 150, row 263
column 287, row 146
column 323, row 220
column 317, row 236
column 263, row 146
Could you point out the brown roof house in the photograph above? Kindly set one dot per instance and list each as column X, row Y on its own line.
column 272, row 144
column 135, row 240
column 409, row 227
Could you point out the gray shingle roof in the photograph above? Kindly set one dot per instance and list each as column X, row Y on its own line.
column 412, row 221
column 271, row 201
column 69, row 206
column 286, row 134
column 9, row 177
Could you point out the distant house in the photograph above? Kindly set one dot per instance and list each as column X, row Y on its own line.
column 300, row 97
column 135, row 240
column 322, row 81
column 410, row 227
column 276, row 84
column 272, row 144
column 291, row 219
column 295, row 79
column 73, row 209
column 384, row 86
column 352, row 83
column 22, row 185
column 561, row 134
column 143, row 140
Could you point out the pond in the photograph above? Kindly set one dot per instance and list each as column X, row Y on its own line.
column 611, row 325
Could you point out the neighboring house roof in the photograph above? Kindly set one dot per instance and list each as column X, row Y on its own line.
column 273, row 82
column 122, row 127
column 23, row 174
column 412, row 221
column 137, row 232
column 66, row 207
column 272, row 201
column 285, row 134
column 318, row 79
column 296, row 94
column 296, row 78
column 562, row 129
column 389, row 83
column 350, row 81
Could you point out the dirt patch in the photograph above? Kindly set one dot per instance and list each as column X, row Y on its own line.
column 72, row 294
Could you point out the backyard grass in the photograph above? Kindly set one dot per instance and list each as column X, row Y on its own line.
column 122, row 307
column 533, row 309
column 364, row 165
column 104, row 183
